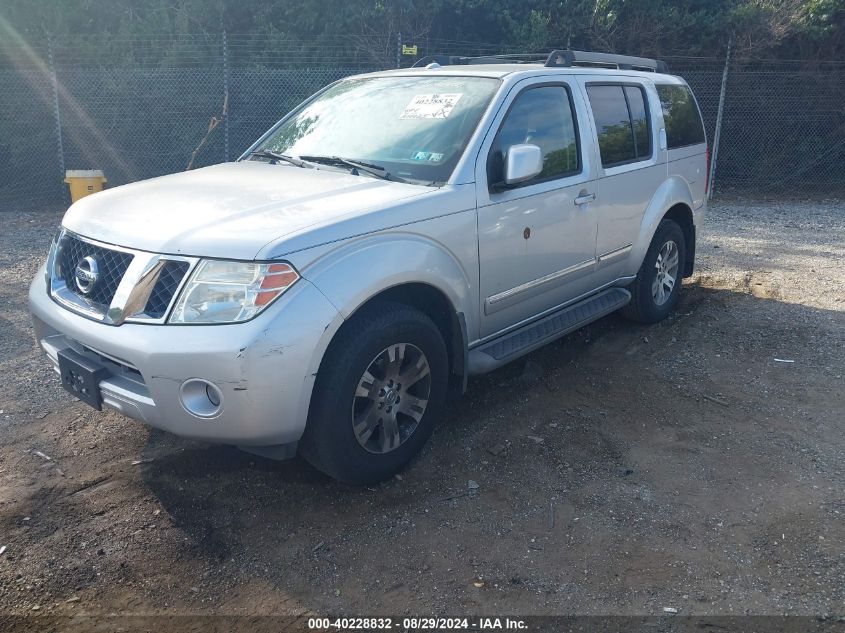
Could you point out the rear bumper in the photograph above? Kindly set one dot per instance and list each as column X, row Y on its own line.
column 264, row 368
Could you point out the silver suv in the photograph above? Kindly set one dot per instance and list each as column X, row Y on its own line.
column 394, row 234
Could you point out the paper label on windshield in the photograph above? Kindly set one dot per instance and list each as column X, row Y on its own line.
column 433, row 106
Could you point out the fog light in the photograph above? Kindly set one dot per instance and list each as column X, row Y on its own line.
column 201, row 398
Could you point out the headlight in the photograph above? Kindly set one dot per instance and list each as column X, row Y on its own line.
column 229, row 292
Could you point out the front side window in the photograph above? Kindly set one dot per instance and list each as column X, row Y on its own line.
column 414, row 127
column 544, row 117
column 680, row 116
column 622, row 124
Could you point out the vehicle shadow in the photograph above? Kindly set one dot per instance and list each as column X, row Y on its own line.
column 612, row 414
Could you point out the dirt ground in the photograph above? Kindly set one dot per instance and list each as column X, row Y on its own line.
column 621, row 470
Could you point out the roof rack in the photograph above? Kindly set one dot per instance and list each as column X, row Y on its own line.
column 605, row 60
column 459, row 60
column 555, row 59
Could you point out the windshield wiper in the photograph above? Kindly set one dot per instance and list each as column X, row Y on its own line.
column 374, row 170
column 273, row 156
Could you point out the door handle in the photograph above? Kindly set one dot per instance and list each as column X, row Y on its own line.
column 584, row 198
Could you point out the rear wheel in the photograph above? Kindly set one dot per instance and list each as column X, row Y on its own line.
column 379, row 393
column 656, row 290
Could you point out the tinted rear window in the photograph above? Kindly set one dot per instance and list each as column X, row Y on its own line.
column 639, row 117
column 622, row 124
column 613, row 124
column 680, row 114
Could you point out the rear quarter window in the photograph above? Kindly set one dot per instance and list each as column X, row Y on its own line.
column 681, row 117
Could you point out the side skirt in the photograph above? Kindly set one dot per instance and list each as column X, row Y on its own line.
column 536, row 334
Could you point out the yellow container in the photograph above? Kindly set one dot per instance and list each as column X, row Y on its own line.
column 84, row 182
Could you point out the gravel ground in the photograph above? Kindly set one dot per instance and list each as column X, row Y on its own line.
column 621, row 470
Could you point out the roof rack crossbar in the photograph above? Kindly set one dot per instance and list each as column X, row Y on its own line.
column 605, row 60
column 515, row 56
column 459, row 60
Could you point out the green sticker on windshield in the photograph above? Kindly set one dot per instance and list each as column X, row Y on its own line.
column 432, row 157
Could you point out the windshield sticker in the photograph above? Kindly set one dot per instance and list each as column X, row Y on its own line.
column 433, row 106
column 433, row 157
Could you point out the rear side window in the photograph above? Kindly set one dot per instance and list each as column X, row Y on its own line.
column 544, row 117
column 680, row 114
column 639, row 119
column 622, row 123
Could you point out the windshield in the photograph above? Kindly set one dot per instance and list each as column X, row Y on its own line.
column 413, row 127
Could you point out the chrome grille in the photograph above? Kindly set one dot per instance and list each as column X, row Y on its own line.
column 168, row 282
column 112, row 266
column 129, row 286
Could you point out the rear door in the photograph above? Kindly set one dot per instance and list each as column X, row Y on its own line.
column 631, row 165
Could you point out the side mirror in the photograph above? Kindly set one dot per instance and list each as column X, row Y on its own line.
column 522, row 163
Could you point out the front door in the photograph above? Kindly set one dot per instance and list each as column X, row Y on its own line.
column 537, row 240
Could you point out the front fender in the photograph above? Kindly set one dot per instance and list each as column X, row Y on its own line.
column 441, row 252
column 673, row 191
column 362, row 268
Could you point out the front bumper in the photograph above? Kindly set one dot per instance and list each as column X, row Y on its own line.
column 264, row 368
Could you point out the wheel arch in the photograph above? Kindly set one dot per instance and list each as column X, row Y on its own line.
column 434, row 303
column 681, row 213
column 672, row 200
column 404, row 268
column 429, row 300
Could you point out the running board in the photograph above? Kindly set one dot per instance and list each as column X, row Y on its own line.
column 538, row 333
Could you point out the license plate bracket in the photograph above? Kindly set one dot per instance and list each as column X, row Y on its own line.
column 81, row 377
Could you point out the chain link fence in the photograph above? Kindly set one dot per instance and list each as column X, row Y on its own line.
column 139, row 107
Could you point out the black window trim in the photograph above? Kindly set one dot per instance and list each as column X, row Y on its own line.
column 697, row 107
column 637, row 158
column 498, row 187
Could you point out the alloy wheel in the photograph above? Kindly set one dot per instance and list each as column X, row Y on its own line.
column 391, row 398
column 666, row 274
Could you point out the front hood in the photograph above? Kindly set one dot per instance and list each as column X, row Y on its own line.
column 229, row 210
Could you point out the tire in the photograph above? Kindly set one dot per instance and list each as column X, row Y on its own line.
column 363, row 428
column 647, row 304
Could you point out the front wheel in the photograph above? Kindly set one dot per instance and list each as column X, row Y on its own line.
column 379, row 393
column 656, row 290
